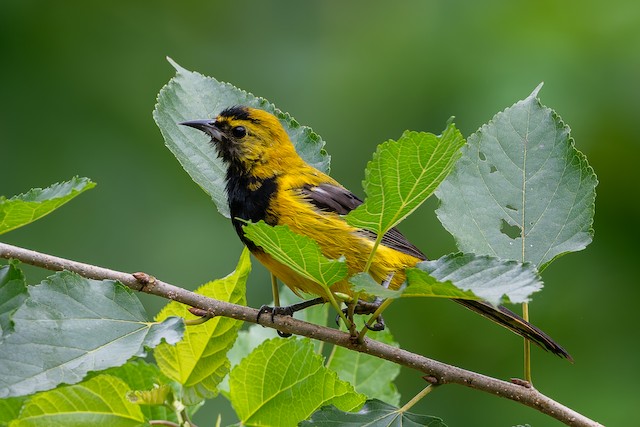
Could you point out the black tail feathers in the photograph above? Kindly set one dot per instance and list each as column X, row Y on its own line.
column 517, row 324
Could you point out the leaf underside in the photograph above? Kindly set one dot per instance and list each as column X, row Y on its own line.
column 190, row 96
column 521, row 190
column 69, row 326
column 374, row 413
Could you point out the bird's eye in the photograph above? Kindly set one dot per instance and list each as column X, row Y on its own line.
column 239, row 131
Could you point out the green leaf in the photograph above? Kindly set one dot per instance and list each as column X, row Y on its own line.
column 199, row 362
column 25, row 208
column 374, row 413
column 153, row 397
column 300, row 253
column 422, row 284
column 369, row 375
column 283, row 382
column 10, row 409
column 255, row 335
column 521, row 189
column 402, row 175
column 69, row 326
column 13, row 292
column 189, row 96
column 142, row 376
column 363, row 282
column 479, row 277
column 97, row 402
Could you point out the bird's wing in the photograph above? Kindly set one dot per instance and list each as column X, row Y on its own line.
column 334, row 198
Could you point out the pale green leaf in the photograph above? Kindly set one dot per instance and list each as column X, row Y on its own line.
column 471, row 276
column 521, row 189
column 363, row 282
column 282, row 382
column 422, row 284
column 157, row 395
column 100, row 401
column 69, row 326
column 374, row 413
column 300, row 253
column 190, row 96
column 369, row 375
column 402, row 175
column 13, row 292
column 141, row 376
column 25, row 208
column 464, row 276
column 199, row 362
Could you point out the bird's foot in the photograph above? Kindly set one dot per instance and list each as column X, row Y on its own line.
column 287, row 311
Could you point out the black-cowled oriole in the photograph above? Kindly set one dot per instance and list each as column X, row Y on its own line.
column 267, row 180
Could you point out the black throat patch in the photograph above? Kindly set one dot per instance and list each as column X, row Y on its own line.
column 249, row 200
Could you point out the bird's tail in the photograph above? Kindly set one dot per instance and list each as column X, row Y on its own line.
column 517, row 324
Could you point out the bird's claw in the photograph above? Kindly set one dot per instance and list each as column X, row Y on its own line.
column 366, row 307
column 378, row 326
column 284, row 311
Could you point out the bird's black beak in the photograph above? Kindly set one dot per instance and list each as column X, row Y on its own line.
column 207, row 126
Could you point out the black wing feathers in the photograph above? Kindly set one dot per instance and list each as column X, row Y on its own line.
column 332, row 198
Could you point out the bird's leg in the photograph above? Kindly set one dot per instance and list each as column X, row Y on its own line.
column 376, row 317
column 370, row 307
column 288, row 310
column 365, row 307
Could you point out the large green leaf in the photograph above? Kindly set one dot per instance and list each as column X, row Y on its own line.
column 402, row 175
column 521, row 189
column 13, row 292
column 374, row 413
column 189, row 96
column 69, row 326
column 100, row 401
column 301, row 253
column 199, row 362
column 282, row 382
column 25, row 208
column 369, row 375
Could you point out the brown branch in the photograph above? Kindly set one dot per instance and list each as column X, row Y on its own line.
column 437, row 372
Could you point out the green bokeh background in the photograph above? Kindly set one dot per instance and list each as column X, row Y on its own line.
column 79, row 81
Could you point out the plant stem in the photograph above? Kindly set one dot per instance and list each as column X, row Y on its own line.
column 527, row 347
column 335, row 305
column 373, row 253
column 428, row 389
column 373, row 317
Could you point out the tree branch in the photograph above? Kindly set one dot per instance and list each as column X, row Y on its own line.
column 437, row 372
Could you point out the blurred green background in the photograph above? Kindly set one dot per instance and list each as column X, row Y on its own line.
column 79, row 82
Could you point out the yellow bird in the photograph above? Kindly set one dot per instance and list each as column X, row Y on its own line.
column 267, row 180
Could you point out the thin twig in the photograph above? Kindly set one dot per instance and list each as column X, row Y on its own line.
column 438, row 372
